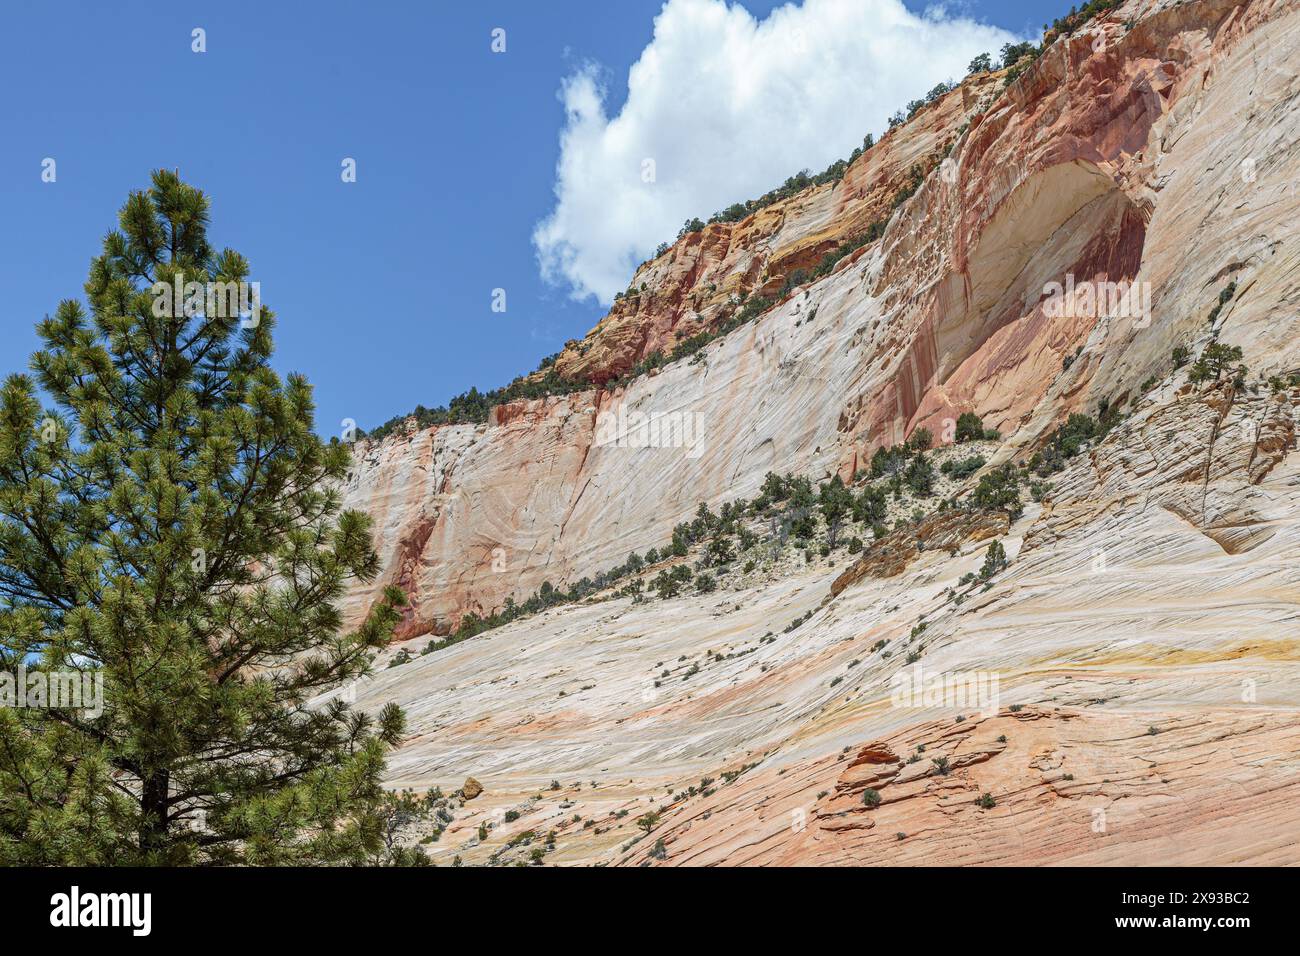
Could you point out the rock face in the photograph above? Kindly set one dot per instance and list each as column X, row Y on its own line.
column 1063, row 787
column 692, row 285
column 1161, row 153
column 1196, row 456
column 944, row 531
column 1143, row 627
column 1125, row 691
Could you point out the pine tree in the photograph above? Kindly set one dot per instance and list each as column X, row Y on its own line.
column 172, row 523
column 1214, row 361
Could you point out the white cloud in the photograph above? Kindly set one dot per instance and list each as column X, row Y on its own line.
column 727, row 107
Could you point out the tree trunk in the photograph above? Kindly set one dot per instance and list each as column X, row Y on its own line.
column 153, row 803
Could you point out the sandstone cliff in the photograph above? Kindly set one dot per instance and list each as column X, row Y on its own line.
column 1160, row 153
column 1143, row 627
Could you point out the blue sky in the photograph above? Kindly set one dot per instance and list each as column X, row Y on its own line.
column 382, row 287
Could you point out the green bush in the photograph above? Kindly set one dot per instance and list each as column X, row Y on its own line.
column 969, row 427
column 999, row 490
column 960, row 469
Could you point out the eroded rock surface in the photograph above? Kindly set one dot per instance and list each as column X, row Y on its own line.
column 1143, row 635
column 1163, row 153
column 1144, row 677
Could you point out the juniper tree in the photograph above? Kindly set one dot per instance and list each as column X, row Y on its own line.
column 969, row 427
column 171, row 522
column 871, row 505
column 995, row 559
column 835, row 501
column 919, row 476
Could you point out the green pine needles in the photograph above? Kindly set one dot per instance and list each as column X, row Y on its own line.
column 170, row 523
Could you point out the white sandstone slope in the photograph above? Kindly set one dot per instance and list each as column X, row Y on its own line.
column 1157, row 588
